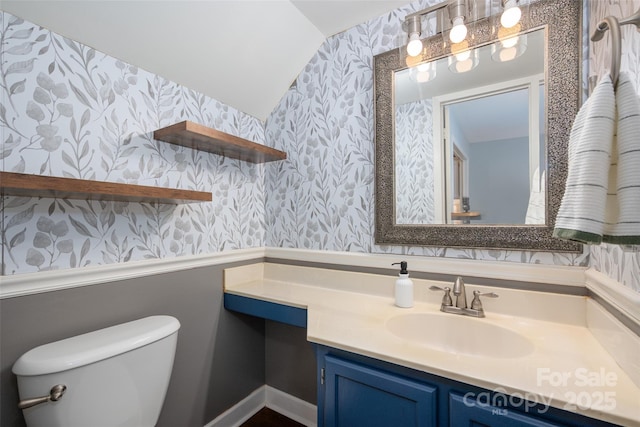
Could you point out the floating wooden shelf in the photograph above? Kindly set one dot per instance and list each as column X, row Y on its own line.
column 198, row 137
column 19, row 184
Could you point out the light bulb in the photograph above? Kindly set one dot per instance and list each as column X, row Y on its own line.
column 459, row 30
column 511, row 15
column 415, row 45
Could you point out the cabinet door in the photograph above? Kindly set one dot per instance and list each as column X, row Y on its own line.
column 361, row 396
column 468, row 412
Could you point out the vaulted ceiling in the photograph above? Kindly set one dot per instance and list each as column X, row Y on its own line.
column 244, row 53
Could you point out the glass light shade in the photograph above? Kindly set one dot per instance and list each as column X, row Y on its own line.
column 464, row 61
column 510, row 42
column 463, row 56
column 505, row 34
column 458, row 31
column 415, row 45
column 509, row 48
column 511, row 15
column 424, row 72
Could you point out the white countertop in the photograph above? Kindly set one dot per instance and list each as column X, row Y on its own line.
column 567, row 367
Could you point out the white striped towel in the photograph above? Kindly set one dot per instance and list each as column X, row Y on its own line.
column 602, row 194
column 622, row 219
column 582, row 211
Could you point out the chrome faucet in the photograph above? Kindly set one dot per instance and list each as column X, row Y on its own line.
column 459, row 293
column 460, row 307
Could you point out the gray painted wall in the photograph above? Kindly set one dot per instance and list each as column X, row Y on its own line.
column 220, row 355
column 290, row 362
column 499, row 180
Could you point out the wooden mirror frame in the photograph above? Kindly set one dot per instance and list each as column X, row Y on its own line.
column 562, row 23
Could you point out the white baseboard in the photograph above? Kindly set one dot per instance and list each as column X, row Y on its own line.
column 292, row 407
column 241, row 411
column 284, row 403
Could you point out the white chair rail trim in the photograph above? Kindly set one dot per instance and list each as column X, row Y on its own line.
column 537, row 273
column 32, row 283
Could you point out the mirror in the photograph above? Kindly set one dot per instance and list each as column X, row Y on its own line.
column 487, row 125
column 443, row 181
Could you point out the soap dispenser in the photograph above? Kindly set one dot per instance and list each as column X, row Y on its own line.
column 404, row 287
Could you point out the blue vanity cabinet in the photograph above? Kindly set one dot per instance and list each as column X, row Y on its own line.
column 468, row 411
column 359, row 391
column 358, row 395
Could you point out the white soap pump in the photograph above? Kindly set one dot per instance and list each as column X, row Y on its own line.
column 404, row 287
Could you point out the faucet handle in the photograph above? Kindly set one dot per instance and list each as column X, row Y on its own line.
column 476, row 304
column 446, row 299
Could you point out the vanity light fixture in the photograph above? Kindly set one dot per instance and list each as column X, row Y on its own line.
column 458, row 11
column 512, row 13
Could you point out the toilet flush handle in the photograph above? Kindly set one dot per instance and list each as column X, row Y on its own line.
column 57, row 391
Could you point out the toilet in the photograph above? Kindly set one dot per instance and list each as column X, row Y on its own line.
column 113, row 377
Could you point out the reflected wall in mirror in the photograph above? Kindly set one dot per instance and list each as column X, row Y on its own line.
column 488, row 127
column 448, row 173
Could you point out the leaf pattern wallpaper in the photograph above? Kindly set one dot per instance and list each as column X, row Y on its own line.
column 414, row 163
column 70, row 111
column 322, row 196
column 619, row 263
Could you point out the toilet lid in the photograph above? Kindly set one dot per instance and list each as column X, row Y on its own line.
column 94, row 346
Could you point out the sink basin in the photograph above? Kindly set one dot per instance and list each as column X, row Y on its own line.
column 459, row 334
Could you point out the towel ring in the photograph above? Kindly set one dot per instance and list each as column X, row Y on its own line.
column 612, row 23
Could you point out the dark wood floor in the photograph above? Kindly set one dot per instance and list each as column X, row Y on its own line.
column 270, row 418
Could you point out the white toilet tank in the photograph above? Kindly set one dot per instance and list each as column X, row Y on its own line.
column 114, row 377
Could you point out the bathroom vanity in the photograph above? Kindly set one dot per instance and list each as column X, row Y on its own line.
column 531, row 361
column 360, row 391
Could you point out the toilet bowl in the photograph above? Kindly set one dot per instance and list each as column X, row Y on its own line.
column 113, row 377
